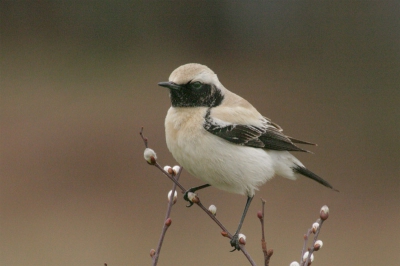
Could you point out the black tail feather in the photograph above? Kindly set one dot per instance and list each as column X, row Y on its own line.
column 301, row 141
column 304, row 171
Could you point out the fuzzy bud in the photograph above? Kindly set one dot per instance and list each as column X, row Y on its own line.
column 174, row 198
column 315, row 227
column 176, row 169
column 294, row 263
column 150, row 156
column 259, row 215
column 166, row 168
column 193, row 197
column 212, row 209
column 242, row 239
column 305, row 256
column 152, row 252
column 318, row 245
column 168, row 222
column 324, row 213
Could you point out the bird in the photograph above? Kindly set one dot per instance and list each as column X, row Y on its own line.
column 220, row 138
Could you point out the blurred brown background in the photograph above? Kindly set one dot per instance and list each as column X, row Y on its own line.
column 79, row 79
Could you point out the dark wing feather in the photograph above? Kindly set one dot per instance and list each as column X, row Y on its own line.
column 268, row 136
column 301, row 141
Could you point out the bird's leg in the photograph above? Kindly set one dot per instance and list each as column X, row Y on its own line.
column 193, row 189
column 235, row 237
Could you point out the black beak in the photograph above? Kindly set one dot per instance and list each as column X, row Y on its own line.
column 169, row 85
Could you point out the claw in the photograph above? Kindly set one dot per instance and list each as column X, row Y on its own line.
column 235, row 243
column 185, row 197
column 193, row 190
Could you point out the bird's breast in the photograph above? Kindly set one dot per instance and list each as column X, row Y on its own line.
column 213, row 159
column 183, row 126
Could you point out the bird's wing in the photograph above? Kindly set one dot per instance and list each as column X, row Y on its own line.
column 266, row 134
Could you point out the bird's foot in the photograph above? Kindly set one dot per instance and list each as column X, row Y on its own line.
column 235, row 243
column 186, row 197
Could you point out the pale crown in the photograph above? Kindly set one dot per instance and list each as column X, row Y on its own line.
column 194, row 72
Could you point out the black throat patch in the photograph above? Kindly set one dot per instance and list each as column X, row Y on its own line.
column 187, row 96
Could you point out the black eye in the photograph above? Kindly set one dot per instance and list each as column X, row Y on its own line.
column 196, row 85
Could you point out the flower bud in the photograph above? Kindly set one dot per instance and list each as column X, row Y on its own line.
column 174, row 198
column 168, row 222
column 315, row 227
column 176, row 169
column 212, row 209
column 305, row 256
column 324, row 213
column 166, row 168
column 193, row 197
column 318, row 245
column 242, row 239
column 224, row 234
column 259, row 215
column 152, row 252
column 294, row 263
column 150, row 156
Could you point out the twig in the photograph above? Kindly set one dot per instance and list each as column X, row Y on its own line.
column 311, row 250
column 143, row 138
column 267, row 253
column 315, row 229
column 198, row 203
column 306, row 236
column 167, row 220
column 183, row 190
column 225, row 231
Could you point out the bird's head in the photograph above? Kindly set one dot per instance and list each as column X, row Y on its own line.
column 194, row 85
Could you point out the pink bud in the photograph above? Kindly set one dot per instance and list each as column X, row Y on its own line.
column 152, row 252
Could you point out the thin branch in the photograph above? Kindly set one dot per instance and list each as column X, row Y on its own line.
column 267, row 253
column 183, row 190
column 315, row 229
column 225, row 231
column 306, row 236
column 143, row 138
column 247, row 255
column 311, row 251
column 167, row 220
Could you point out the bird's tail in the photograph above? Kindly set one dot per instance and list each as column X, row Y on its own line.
column 304, row 171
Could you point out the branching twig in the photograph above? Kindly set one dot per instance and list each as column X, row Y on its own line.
column 311, row 251
column 267, row 253
column 306, row 236
column 152, row 160
column 307, row 256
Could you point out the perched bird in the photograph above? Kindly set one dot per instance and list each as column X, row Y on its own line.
column 222, row 139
